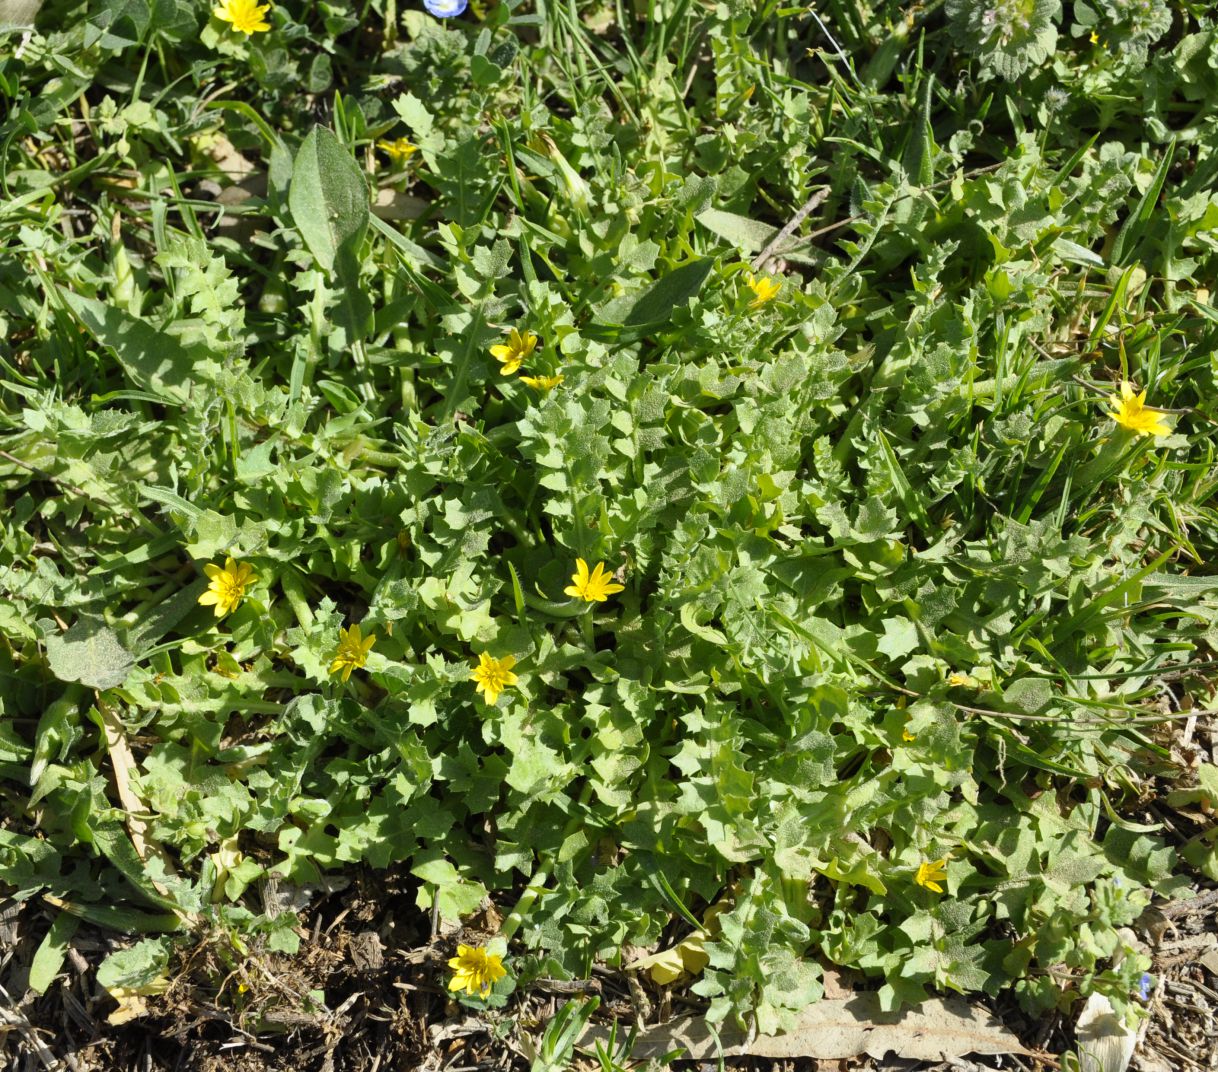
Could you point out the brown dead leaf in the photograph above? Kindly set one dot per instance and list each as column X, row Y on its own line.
column 1150, row 1061
column 1209, row 961
column 235, row 165
column 1184, row 950
column 122, row 763
column 835, row 985
column 123, row 766
column 837, row 1029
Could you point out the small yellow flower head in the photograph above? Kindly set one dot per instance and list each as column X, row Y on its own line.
column 475, row 970
column 513, row 353
column 398, row 150
column 1129, row 411
column 957, row 680
column 352, row 651
column 907, row 736
column 594, row 587
column 245, row 16
column 1094, row 38
column 228, row 586
column 931, row 873
column 493, row 676
column 763, row 289
column 542, row 383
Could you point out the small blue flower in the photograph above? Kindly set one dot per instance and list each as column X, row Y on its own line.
column 446, row 9
column 1144, row 985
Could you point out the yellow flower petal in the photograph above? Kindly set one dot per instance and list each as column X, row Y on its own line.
column 687, row 957
column 513, row 353
column 1129, row 411
column 475, row 970
column 493, row 676
column 352, row 651
column 228, row 586
column 245, row 16
column 397, row 150
column 542, row 383
column 763, row 289
column 931, row 873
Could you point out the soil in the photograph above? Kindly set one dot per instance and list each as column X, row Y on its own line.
column 366, row 992
column 381, row 967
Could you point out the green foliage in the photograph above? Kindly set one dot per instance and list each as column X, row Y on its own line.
column 897, row 589
column 1008, row 37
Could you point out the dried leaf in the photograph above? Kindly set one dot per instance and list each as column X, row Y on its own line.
column 668, row 965
column 228, row 158
column 131, row 1006
column 123, row 766
column 395, row 205
column 1105, row 1044
column 687, row 957
column 835, row 985
column 132, row 974
column 839, row 1029
column 18, row 14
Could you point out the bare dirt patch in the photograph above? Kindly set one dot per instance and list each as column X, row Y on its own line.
column 367, row 993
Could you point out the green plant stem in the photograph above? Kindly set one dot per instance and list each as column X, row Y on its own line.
column 541, row 874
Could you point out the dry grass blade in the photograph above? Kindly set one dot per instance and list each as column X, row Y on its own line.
column 11, row 1018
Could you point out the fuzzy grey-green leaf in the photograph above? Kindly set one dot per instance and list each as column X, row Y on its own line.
column 328, row 197
column 91, row 653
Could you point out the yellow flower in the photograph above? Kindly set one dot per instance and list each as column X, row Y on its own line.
column 1095, row 38
column 1129, row 412
column 227, row 587
column 907, row 736
column 931, row 873
column 958, row 680
column 245, row 16
column 542, row 383
column 763, row 289
column 493, row 675
column 475, row 970
column 398, row 150
column 352, row 651
column 513, row 353
column 594, row 587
